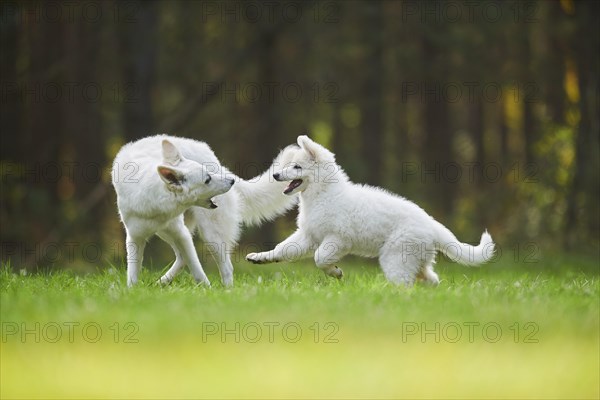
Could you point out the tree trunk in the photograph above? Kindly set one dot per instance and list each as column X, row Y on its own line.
column 372, row 92
column 40, row 143
column 138, row 47
column 436, row 168
column 476, row 128
column 526, row 97
column 437, row 154
column 9, row 112
column 82, row 138
column 258, row 147
column 555, row 75
column 582, row 216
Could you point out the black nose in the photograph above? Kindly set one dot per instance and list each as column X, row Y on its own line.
column 232, row 181
column 276, row 175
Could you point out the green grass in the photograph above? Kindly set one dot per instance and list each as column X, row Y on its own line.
column 359, row 337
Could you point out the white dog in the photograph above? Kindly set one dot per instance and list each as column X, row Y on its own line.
column 338, row 217
column 165, row 186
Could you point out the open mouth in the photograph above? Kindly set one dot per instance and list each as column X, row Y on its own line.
column 211, row 204
column 293, row 185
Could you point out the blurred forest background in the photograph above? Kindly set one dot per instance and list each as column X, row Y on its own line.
column 485, row 114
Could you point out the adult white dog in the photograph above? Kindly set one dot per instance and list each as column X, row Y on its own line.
column 165, row 185
column 338, row 217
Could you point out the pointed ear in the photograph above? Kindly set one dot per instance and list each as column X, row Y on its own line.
column 308, row 145
column 315, row 150
column 302, row 140
column 170, row 153
column 170, row 176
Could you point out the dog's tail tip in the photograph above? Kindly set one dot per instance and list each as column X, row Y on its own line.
column 486, row 246
column 486, row 237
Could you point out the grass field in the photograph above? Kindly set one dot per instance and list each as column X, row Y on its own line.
column 507, row 330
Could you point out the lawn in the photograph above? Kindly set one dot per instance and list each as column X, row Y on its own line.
column 506, row 330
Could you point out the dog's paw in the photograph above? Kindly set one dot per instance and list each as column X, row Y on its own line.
column 336, row 272
column 164, row 281
column 203, row 283
column 254, row 258
column 227, row 281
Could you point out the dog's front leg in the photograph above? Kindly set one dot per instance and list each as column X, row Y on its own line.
column 223, row 259
column 135, row 254
column 295, row 247
column 330, row 252
column 219, row 248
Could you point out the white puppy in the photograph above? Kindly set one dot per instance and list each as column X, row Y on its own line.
column 165, row 186
column 338, row 217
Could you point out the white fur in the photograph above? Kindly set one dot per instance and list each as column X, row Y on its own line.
column 149, row 203
column 338, row 217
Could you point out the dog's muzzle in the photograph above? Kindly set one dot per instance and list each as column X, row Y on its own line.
column 293, row 185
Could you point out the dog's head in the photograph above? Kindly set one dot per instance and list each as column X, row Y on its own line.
column 194, row 182
column 312, row 163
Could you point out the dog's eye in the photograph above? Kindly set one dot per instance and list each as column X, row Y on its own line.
column 297, row 167
column 207, row 181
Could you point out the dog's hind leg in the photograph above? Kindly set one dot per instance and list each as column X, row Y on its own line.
column 182, row 241
column 427, row 272
column 430, row 275
column 400, row 267
column 177, row 265
column 329, row 253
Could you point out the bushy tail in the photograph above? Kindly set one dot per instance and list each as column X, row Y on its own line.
column 464, row 253
column 262, row 196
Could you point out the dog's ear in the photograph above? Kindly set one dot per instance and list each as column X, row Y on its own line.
column 308, row 145
column 314, row 149
column 171, row 176
column 170, row 153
